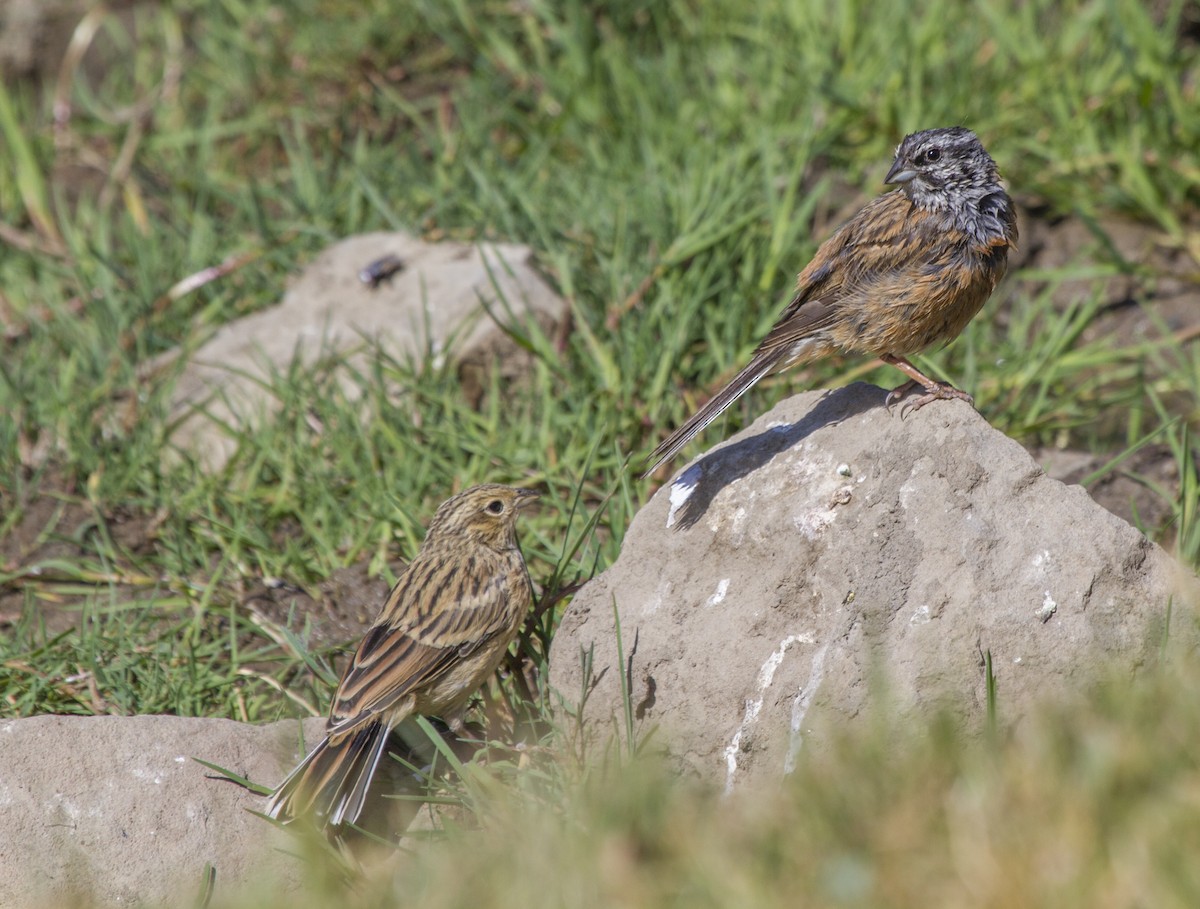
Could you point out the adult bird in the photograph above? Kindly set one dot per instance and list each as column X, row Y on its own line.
column 910, row 270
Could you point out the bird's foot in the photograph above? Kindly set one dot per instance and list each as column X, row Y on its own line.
column 934, row 391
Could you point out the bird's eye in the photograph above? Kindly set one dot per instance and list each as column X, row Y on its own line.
column 933, row 154
column 495, row 506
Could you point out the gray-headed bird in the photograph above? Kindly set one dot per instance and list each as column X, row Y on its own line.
column 909, row 271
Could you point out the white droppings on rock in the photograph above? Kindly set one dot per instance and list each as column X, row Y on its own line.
column 719, row 596
column 754, row 705
column 737, row 527
column 681, row 490
column 801, row 704
column 661, row 592
column 812, row 523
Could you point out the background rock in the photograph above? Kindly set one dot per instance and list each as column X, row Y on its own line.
column 833, row 552
column 445, row 301
column 34, row 35
column 113, row 811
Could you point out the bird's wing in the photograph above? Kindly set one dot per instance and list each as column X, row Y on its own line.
column 878, row 242
column 439, row 611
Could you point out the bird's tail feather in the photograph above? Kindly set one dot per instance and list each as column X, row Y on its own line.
column 331, row 783
column 738, row 386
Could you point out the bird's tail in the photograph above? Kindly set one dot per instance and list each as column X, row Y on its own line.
column 758, row 367
column 331, row 783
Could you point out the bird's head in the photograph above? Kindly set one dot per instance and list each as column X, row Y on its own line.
column 486, row 515
column 942, row 168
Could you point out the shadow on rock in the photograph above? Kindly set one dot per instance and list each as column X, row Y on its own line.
column 722, row 466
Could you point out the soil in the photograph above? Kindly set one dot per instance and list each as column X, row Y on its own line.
column 1156, row 289
column 57, row 525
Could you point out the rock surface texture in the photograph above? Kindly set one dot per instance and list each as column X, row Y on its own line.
column 832, row 555
column 114, row 811
column 448, row 300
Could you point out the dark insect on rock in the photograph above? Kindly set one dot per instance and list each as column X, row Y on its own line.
column 375, row 273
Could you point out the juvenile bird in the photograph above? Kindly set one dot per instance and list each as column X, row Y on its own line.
column 442, row 632
column 908, row 271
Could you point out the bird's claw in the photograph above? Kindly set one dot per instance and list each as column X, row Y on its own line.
column 937, row 391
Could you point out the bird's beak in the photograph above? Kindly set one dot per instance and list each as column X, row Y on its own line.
column 899, row 173
column 527, row 497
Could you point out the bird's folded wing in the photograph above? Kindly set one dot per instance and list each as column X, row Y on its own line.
column 411, row 647
column 882, row 243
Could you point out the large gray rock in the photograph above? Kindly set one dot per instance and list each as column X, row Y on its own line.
column 833, row 553
column 449, row 300
column 113, row 811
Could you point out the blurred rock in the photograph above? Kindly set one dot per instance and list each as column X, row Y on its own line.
column 113, row 811
column 833, row 557
column 34, row 35
column 448, row 300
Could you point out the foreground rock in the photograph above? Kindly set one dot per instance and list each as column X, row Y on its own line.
column 449, row 299
column 114, row 811
column 832, row 554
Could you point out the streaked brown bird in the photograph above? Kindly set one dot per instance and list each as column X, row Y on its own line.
column 442, row 632
column 910, row 270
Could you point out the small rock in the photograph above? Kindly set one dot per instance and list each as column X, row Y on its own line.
column 446, row 294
